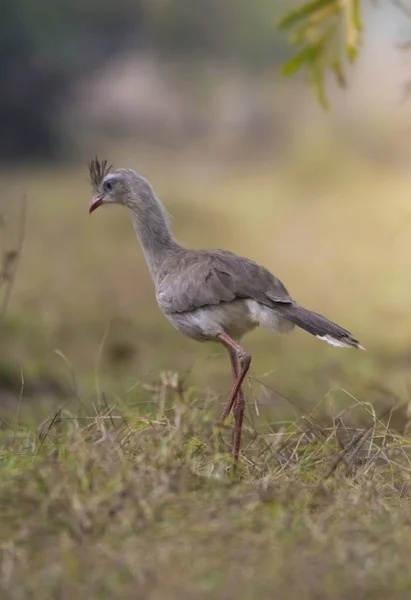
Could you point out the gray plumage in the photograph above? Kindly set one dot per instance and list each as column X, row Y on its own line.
column 207, row 294
column 191, row 285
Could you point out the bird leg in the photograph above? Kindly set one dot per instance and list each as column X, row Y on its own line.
column 239, row 404
column 234, row 374
column 240, row 363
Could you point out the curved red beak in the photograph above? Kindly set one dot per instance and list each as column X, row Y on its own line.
column 95, row 203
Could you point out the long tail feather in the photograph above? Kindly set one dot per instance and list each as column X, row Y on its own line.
column 320, row 327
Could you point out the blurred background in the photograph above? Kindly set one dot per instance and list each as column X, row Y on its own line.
column 189, row 94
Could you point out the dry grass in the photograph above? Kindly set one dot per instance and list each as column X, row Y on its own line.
column 136, row 504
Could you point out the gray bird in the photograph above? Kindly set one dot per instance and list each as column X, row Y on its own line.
column 208, row 294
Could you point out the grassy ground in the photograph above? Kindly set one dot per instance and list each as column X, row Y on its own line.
column 125, row 492
column 136, row 503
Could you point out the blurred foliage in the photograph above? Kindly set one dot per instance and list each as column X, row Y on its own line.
column 327, row 34
column 47, row 46
column 44, row 46
column 235, row 29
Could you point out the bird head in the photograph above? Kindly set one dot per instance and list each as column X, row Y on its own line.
column 123, row 186
column 102, row 187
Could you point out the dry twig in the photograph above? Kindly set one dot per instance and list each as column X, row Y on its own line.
column 10, row 260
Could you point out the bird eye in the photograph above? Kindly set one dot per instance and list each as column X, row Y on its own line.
column 108, row 186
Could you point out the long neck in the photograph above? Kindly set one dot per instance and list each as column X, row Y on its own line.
column 151, row 224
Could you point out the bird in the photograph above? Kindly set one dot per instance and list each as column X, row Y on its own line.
column 208, row 295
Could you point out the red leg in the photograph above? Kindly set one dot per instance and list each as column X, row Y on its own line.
column 239, row 408
column 240, row 363
column 240, row 395
column 234, row 373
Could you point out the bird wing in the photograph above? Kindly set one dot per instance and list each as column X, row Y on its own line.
column 196, row 279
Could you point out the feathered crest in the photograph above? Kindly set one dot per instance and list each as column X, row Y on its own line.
column 98, row 169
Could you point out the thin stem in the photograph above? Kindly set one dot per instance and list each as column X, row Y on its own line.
column 13, row 268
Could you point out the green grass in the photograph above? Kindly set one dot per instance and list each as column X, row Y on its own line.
column 135, row 500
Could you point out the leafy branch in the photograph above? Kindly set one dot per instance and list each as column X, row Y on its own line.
column 327, row 35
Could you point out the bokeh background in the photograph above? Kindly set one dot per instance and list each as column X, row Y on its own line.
column 189, row 93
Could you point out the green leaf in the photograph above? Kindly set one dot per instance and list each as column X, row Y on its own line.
column 316, row 74
column 353, row 27
column 337, row 69
column 301, row 34
column 297, row 14
column 306, row 55
column 356, row 11
column 321, row 15
column 325, row 33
